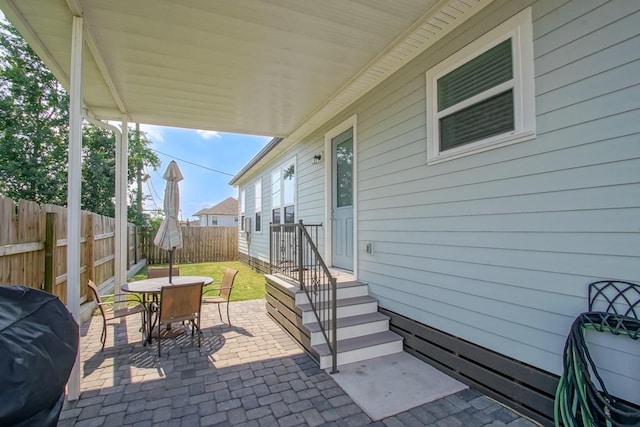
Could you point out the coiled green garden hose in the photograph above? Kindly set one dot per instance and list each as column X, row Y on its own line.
column 578, row 402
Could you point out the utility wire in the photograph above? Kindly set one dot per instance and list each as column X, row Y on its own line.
column 194, row 164
column 152, row 190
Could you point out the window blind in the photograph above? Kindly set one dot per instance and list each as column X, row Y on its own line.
column 485, row 71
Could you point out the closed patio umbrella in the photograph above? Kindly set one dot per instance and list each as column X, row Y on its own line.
column 169, row 235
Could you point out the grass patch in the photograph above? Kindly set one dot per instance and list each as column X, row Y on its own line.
column 248, row 284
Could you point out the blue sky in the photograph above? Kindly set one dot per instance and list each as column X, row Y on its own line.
column 201, row 188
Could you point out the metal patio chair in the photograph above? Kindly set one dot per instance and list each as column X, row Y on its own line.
column 162, row 272
column 224, row 292
column 179, row 303
column 111, row 314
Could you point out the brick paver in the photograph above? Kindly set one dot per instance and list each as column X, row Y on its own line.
column 248, row 374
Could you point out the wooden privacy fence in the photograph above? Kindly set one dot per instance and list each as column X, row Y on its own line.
column 33, row 247
column 199, row 244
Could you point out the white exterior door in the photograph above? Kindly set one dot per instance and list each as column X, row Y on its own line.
column 342, row 200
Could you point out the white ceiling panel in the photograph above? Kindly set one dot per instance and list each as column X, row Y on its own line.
column 267, row 67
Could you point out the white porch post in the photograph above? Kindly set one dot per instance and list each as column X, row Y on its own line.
column 74, row 182
column 121, row 231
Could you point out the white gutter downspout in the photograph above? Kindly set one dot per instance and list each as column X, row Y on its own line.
column 120, row 235
column 74, row 183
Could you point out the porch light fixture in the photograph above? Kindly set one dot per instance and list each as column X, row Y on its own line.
column 317, row 158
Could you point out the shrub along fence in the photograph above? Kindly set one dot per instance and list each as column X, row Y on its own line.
column 33, row 247
column 200, row 244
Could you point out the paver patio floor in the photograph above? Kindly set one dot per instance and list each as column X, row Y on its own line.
column 250, row 373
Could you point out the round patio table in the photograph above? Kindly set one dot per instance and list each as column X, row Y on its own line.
column 153, row 287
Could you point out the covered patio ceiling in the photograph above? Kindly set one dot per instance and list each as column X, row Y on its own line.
column 266, row 67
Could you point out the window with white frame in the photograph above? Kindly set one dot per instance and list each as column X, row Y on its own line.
column 482, row 97
column 242, row 205
column 258, row 205
column 283, row 189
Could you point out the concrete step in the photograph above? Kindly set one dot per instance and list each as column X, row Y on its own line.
column 345, row 307
column 361, row 348
column 352, row 326
column 344, row 290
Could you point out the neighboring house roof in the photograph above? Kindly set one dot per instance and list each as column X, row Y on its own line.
column 228, row 206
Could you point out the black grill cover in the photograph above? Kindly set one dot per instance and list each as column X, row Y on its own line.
column 38, row 346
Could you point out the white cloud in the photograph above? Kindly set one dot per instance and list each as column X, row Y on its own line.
column 154, row 133
column 208, row 134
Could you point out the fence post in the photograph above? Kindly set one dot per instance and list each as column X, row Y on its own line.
column 91, row 258
column 50, row 244
column 128, row 247
column 136, row 230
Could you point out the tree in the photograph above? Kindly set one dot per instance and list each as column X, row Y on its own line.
column 33, row 124
column 98, row 171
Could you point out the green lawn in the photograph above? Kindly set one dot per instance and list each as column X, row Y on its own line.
column 248, row 284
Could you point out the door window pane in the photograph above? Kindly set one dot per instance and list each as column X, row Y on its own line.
column 344, row 173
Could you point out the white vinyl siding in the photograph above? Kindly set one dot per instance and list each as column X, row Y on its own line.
column 483, row 96
column 308, row 193
column 498, row 247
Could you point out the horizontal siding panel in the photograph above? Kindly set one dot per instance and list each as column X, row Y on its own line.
column 614, row 80
column 401, row 207
column 414, row 256
column 544, row 7
column 508, row 181
column 575, row 21
column 373, row 155
column 559, row 161
column 517, row 293
column 592, row 65
column 407, row 105
column 622, row 244
column 519, row 305
column 551, row 54
column 409, row 156
column 484, row 330
column 563, row 15
column 604, row 221
column 621, row 101
column 627, row 359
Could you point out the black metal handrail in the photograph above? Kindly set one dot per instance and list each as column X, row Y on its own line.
column 293, row 252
